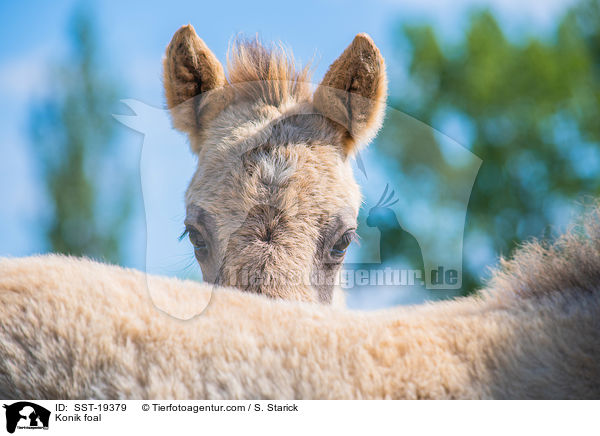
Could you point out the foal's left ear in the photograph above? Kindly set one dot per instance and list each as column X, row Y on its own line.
column 353, row 92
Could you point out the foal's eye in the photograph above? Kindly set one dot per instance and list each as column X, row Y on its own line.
column 196, row 239
column 339, row 248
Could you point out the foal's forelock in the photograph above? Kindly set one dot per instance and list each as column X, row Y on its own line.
column 267, row 74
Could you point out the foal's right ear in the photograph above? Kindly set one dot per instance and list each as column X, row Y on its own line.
column 191, row 70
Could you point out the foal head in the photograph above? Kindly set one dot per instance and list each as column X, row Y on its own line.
column 273, row 204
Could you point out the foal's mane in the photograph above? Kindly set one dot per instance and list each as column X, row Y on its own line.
column 267, row 73
column 569, row 264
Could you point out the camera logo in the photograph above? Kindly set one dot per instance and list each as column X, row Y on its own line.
column 26, row 415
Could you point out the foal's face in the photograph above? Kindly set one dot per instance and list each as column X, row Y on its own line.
column 270, row 216
column 272, row 206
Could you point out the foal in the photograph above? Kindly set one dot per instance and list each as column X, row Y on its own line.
column 272, row 206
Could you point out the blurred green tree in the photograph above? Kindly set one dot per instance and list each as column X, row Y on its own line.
column 72, row 136
column 531, row 111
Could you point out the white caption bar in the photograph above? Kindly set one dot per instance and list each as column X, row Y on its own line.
column 298, row 417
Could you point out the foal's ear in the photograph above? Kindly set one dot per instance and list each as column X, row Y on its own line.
column 191, row 70
column 353, row 91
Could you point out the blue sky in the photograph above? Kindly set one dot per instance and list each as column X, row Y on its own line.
column 134, row 36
